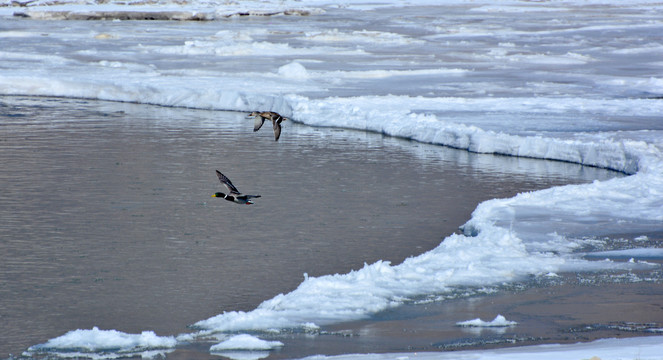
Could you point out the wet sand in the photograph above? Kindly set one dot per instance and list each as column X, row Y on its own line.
column 108, row 220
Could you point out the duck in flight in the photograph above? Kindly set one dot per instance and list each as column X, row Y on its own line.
column 276, row 118
column 233, row 194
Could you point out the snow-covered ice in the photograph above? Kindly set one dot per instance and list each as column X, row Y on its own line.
column 498, row 321
column 245, row 342
column 106, row 344
column 606, row 349
column 635, row 253
column 576, row 81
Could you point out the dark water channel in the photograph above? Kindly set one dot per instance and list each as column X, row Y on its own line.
column 107, row 218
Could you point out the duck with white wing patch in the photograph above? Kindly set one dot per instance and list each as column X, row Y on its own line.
column 276, row 118
column 233, row 194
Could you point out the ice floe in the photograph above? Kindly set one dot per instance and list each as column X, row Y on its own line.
column 498, row 321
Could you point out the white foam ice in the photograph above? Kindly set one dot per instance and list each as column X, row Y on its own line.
column 494, row 256
column 499, row 321
column 244, row 48
column 96, row 343
column 174, row 9
column 600, row 208
column 362, row 36
column 245, row 342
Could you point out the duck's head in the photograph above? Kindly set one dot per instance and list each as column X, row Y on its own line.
column 254, row 114
column 219, row 194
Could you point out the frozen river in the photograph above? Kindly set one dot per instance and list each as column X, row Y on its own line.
column 573, row 81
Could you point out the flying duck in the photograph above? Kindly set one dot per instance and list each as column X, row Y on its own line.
column 233, row 194
column 276, row 118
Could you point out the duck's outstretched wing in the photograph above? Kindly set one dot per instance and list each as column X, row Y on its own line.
column 226, row 182
column 277, row 130
column 257, row 123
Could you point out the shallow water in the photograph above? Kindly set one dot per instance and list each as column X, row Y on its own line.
column 107, row 218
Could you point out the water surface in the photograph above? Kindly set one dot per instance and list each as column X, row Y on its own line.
column 108, row 220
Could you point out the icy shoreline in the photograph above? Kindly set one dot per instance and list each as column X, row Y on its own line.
column 623, row 155
column 150, row 10
column 606, row 349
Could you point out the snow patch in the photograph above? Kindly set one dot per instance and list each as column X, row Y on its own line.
column 499, row 321
column 112, row 342
column 294, row 70
column 245, row 342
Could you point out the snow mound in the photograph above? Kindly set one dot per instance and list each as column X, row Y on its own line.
column 294, row 70
column 246, row 342
column 112, row 342
column 499, row 321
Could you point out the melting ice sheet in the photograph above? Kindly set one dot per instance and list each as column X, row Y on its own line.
column 245, row 342
column 499, row 321
column 106, row 344
column 557, row 84
column 635, row 253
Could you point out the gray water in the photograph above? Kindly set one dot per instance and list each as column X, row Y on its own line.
column 107, row 218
